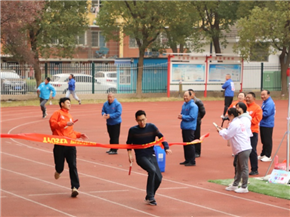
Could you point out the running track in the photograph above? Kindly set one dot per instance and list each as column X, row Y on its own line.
column 28, row 187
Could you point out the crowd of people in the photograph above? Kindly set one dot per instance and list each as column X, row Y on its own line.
column 246, row 118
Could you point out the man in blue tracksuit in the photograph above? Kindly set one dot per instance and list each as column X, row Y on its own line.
column 189, row 113
column 71, row 88
column 229, row 88
column 45, row 89
column 267, row 125
column 112, row 111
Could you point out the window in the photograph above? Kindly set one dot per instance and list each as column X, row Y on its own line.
column 100, row 75
column 132, row 42
column 125, row 76
column 83, row 79
column 112, row 75
column 80, row 40
column 98, row 40
column 259, row 52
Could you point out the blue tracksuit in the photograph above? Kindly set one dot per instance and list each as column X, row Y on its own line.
column 229, row 88
column 269, row 110
column 189, row 113
column 114, row 110
column 71, row 84
column 45, row 90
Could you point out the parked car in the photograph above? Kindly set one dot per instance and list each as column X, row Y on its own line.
column 106, row 77
column 11, row 82
column 83, row 84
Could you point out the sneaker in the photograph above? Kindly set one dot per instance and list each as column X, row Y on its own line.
column 231, row 188
column 152, row 202
column 189, row 164
column 44, row 116
column 108, row 151
column 266, row 159
column 242, row 190
column 184, row 162
column 261, row 157
column 112, row 152
column 197, row 155
column 74, row 192
column 56, row 175
column 222, row 116
column 80, row 103
column 252, row 173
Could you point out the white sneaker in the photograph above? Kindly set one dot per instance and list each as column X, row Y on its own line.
column 222, row 116
column 242, row 190
column 266, row 159
column 261, row 157
column 231, row 188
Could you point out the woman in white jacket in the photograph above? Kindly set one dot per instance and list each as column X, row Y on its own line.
column 241, row 146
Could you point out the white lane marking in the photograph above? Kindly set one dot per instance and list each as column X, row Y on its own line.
column 91, row 192
column 40, row 204
column 84, row 193
column 124, row 185
column 176, row 182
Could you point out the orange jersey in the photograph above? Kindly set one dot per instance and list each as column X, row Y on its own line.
column 233, row 105
column 256, row 113
column 58, row 124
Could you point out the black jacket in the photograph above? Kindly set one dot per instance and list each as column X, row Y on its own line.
column 201, row 109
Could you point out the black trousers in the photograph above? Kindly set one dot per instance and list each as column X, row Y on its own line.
column 266, row 134
column 228, row 102
column 197, row 136
column 189, row 150
column 253, row 155
column 69, row 154
column 149, row 164
column 114, row 134
column 42, row 105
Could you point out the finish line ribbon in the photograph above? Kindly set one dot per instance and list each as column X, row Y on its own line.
column 53, row 139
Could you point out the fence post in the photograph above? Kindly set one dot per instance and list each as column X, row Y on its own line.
column 93, row 77
column 45, row 70
column 262, row 72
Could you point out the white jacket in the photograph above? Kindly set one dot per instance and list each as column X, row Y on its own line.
column 238, row 136
column 246, row 120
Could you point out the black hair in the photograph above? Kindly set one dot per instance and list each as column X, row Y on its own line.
column 72, row 76
column 62, row 100
column 233, row 111
column 189, row 91
column 48, row 79
column 139, row 113
column 268, row 92
column 242, row 106
column 252, row 93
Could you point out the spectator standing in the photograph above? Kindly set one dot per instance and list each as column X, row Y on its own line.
column 241, row 98
column 61, row 124
column 256, row 113
column 188, row 116
column 145, row 133
column 112, row 111
column 71, row 88
column 267, row 125
column 229, row 88
column 241, row 147
column 44, row 90
column 201, row 113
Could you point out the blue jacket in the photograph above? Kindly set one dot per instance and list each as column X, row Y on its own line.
column 114, row 110
column 269, row 110
column 229, row 87
column 189, row 113
column 45, row 90
column 71, row 84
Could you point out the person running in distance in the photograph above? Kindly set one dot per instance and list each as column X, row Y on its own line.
column 61, row 124
column 44, row 90
column 144, row 133
column 71, row 88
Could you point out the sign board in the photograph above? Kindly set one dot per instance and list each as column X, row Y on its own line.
column 279, row 177
column 218, row 72
column 186, row 72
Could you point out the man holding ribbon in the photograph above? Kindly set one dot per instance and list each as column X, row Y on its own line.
column 61, row 124
column 144, row 133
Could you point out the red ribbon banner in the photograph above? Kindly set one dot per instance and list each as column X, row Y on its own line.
column 53, row 139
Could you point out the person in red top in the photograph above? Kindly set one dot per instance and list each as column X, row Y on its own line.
column 241, row 98
column 256, row 113
column 61, row 124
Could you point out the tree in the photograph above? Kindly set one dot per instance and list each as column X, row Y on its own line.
column 142, row 20
column 270, row 25
column 52, row 32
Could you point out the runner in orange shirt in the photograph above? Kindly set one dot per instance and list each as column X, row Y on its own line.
column 61, row 124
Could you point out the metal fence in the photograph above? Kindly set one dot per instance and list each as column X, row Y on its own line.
column 93, row 78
